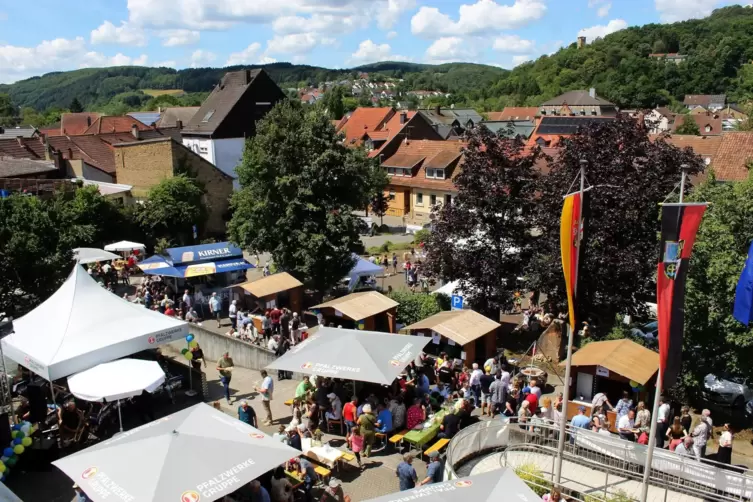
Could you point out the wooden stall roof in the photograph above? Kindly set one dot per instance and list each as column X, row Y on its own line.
column 271, row 284
column 624, row 357
column 460, row 326
column 358, row 306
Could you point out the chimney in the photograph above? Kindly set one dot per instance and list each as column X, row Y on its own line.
column 70, row 154
column 592, row 92
column 88, row 120
column 438, row 110
column 403, row 117
column 135, row 132
column 248, row 77
column 179, row 124
column 581, row 42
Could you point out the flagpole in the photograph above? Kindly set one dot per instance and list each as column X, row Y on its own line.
column 568, row 364
column 658, row 390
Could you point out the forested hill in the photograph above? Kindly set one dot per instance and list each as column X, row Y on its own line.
column 719, row 50
column 95, row 87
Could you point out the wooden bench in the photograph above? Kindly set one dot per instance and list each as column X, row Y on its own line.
column 323, row 472
column 294, row 479
column 348, row 457
column 289, row 402
column 437, row 446
column 398, row 438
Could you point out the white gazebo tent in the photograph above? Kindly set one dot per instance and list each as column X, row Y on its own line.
column 124, row 246
column 82, row 325
column 92, row 255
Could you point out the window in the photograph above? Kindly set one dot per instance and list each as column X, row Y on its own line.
column 391, row 170
column 435, row 173
column 707, row 128
column 208, row 116
column 447, row 199
column 392, row 196
column 433, row 199
column 203, row 149
column 419, row 199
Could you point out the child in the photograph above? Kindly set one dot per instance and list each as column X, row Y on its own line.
column 356, row 444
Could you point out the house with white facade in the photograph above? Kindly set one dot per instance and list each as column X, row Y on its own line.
column 218, row 131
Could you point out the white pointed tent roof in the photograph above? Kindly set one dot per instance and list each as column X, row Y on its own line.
column 82, row 325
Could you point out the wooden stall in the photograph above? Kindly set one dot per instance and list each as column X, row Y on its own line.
column 277, row 290
column 368, row 310
column 463, row 334
column 610, row 367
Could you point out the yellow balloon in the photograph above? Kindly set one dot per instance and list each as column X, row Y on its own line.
column 18, row 449
column 193, row 343
column 26, row 441
column 13, row 434
column 2, row 467
column 188, row 355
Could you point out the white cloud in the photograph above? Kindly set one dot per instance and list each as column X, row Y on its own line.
column 391, row 35
column 175, row 38
column 297, row 43
column 318, row 23
column 201, row 58
column 520, row 59
column 97, row 59
column 450, row 49
column 125, row 34
column 484, row 16
column 369, row 52
column 21, row 62
column 680, row 10
column 602, row 6
column 392, row 13
column 266, row 60
column 600, row 30
column 512, row 43
column 249, row 55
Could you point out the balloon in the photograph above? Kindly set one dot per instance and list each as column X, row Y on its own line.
column 634, row 384
column 183, row 351
column 8, row 452
column 26, row 442
column 188, row 355
column 11, row 462
column 13, row 434
column 193, row 344
column 16, row 442
column 17, row 427
column 19, row 449
column 26, row 429
column 189, row 338
column 20, row 435
column 2, row 467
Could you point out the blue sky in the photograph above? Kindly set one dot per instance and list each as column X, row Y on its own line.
column 50, row 35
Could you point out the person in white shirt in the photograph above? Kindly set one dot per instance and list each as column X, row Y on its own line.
column 686, row 447
column 336, row 410
column 662, row 421
column 475, row 382
column 233, row 313
column 187, row 300
column 272, row 344
column 605, row 429
column 625, row 426
column 266, row 390
column 724, row 453
column 535, row 389
column 505, row 377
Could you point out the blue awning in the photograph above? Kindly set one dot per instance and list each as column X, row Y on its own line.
column 157, row 265
column 204, row 252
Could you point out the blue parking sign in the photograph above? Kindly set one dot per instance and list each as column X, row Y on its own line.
column 457, row 302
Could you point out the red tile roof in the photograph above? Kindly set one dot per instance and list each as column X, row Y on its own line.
column 703, row 120
column 111, row 124
column 76, row 123
column 514, row 113
column 734, row 156
column 434, row 153
column 705, row 146
column 96, row 152
column 364, row 120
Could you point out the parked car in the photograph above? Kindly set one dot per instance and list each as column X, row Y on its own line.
column 727, row 389
column 648, row 331
column 749, row 410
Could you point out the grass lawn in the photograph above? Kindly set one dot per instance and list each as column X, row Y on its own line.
column 161, row 92
column 389, row 247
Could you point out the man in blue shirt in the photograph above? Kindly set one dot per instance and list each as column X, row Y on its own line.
column 581, row 420
column 406, row 473
column 384, row 419
column 434, row 470
column 246, row 414
column 259, row 493
column 306, row 469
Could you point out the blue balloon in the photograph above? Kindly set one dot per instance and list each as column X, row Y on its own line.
column 17, row 427
column 3, row 478
column 8, row 452
column 189, row 338
column 17, row 441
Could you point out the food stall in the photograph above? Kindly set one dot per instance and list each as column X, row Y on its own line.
column 463, row 334
column 367, row 310
column 277, row 290
column 611, row 367
column 203, row 269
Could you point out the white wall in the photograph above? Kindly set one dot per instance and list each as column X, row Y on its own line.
column 201, row 146
column 228, row 154
column 94, row 174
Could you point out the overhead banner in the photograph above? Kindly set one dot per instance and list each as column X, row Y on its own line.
column 571, row 236
column 679, row 225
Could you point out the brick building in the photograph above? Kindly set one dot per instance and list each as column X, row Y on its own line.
column 143, row 164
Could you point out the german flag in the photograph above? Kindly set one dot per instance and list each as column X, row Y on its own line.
column 679, row 225
column 571, row 235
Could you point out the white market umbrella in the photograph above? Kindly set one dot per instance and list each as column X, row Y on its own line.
column 117, row 380
column 92, row 255
column 124, row 246
column 8, row 496
column 197, row 454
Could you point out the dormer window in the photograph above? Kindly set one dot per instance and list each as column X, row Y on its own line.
column 707, row 128
column 208, row 116
column 435, row 173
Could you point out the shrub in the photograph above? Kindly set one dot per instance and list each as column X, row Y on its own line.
column 534, row 478
column 385, row 248
column 421, row 236
column 414, row 307
column 384, row 228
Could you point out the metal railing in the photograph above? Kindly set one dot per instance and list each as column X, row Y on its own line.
column 612, row 456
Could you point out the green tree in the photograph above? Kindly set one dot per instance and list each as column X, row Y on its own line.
column 8, row 112
column 688, row 126
column 172, row 208
column 76, row 106
column 379, row 205
column 414, row 307
column 332, row 103
column 31, row 117
column 299, row 188
column 714, row 341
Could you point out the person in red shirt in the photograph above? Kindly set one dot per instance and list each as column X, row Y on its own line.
column 275, row 316
column 416, row 414
column 531, row 398
column 349, row 415
column 170, row 311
